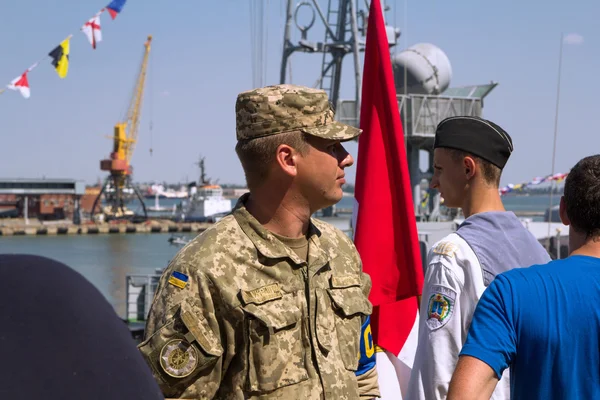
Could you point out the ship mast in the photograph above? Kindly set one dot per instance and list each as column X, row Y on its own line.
column 345, row 27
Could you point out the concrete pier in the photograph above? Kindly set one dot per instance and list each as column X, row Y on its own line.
column 101, row 229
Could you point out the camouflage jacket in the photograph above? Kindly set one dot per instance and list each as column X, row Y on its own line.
column 238, row 315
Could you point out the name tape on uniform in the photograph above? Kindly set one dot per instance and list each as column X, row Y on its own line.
column 344, row 281
column 262, row 294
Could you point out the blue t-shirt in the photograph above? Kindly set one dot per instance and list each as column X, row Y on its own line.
column 543, row 322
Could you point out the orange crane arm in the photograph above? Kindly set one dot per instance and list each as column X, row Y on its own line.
column 132, row 123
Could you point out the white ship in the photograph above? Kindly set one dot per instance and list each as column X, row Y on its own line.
column 206, row 201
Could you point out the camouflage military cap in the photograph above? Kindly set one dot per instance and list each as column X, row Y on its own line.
column 284, row 108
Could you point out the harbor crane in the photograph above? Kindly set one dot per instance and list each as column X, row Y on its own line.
column 119, row 182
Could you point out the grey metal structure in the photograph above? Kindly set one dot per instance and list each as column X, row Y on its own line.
column 420, row 115
column 41, row 186
column 344, row 22
column 420, row 110
column 139, row 292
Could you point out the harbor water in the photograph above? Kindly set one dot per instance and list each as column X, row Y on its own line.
column 106, row 260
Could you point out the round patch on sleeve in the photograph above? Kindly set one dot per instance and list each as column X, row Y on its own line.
column 440, row 306
column 178, row 358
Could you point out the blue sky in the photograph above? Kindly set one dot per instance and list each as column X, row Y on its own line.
column 201, row 58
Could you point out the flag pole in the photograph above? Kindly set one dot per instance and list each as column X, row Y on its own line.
column 554, row 147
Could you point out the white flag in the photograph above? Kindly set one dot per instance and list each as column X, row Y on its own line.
column 91, row 29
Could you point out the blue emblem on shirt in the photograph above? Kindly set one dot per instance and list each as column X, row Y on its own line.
column 366, row 360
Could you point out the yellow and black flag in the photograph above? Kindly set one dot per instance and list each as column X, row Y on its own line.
column 60, row 58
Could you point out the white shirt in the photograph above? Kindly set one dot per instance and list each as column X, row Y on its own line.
column 453, row 285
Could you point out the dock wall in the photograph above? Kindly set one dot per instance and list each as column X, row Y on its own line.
column 40, row 230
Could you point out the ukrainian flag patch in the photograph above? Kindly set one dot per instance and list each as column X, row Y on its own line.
column 178, row 279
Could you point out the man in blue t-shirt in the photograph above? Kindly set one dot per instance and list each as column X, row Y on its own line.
column 544, row 321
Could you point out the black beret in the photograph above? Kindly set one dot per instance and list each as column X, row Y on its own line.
column 477, row 136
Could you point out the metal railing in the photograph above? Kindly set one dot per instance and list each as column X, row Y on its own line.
column 420, row 114
column 139, row 294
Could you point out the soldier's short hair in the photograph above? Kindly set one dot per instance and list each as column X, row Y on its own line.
column 257, row 155
column 582, row 196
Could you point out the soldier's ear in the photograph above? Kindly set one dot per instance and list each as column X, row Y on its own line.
column 286, row 159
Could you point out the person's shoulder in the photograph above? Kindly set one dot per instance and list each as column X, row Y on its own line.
column 332, row 235
column 454, row 255
column 223, row 238
column 536, row 270
column 219, row 234
column 520, row 280
column 340, row 249
column 451, row 246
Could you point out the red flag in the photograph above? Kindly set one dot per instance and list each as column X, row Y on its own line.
column 385, row 225
column 21, row 84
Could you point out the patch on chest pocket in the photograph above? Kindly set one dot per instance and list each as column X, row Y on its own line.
column 440, row 306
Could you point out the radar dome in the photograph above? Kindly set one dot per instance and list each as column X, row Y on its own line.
column 427, row 67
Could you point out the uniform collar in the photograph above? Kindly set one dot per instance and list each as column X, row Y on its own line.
column 269, row 246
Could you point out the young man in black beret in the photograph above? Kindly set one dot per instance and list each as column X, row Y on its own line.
column 469, row 156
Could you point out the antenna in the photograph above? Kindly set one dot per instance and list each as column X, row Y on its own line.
column 203, row 179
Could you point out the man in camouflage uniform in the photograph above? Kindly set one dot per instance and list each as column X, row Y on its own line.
column 269, row 303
